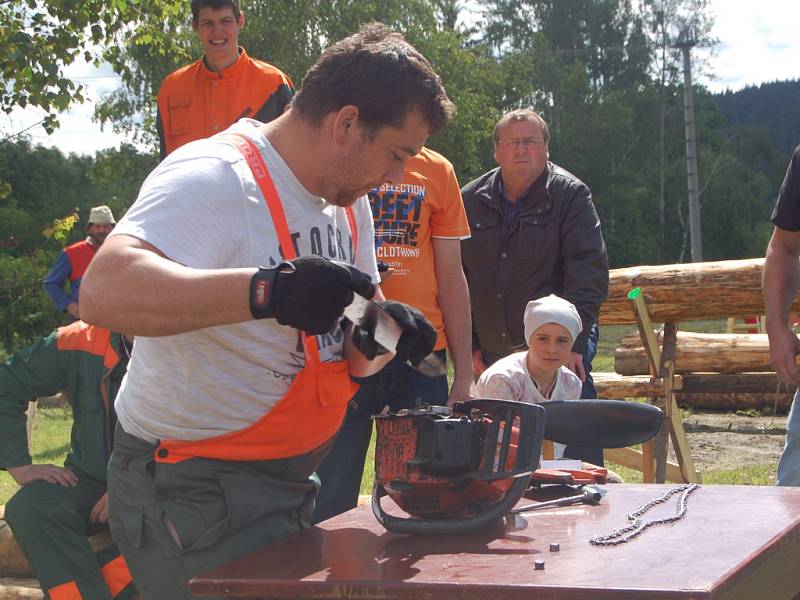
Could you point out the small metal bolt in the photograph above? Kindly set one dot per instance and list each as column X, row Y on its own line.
column 555, row 547
column 538, row 565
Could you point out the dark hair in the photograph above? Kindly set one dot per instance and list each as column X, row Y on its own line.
column 381, row 74
column 521, row 114
column 216, row 5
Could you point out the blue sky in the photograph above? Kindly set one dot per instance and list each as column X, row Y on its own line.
column 755, row 47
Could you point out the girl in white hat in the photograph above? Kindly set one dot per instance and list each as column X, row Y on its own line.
column 538, row 375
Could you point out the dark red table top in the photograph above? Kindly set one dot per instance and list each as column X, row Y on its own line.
column 735, row 542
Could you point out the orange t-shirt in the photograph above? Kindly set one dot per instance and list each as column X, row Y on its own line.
column 425, row 204
column 195, row 103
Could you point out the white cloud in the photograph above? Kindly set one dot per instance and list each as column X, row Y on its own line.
column 78, row 133
column 758, row 43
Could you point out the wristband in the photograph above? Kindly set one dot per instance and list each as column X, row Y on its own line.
column 262, row 288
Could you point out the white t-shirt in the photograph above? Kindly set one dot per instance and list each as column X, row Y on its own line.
column 201, row 207
column 509, row 379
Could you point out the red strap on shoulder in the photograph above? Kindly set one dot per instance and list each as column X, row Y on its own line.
column 351, row 220
column 256, row 163
column 261, row 174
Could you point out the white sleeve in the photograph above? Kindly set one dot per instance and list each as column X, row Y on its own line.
column 191, row 210
column 496, row 385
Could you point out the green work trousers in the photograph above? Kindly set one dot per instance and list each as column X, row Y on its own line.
column 219, row 509
column 50, row 523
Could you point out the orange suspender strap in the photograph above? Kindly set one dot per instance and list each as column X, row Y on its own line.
column 261, row 174
column 351, row 220
column 256, row 163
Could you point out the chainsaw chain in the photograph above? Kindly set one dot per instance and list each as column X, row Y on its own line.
column 636, row 527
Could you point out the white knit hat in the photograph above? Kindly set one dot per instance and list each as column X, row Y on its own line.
column 101, row 215
column 552, row 309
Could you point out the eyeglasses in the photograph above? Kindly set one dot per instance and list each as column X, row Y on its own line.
column 526, row 143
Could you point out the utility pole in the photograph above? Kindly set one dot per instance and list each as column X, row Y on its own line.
column 686, row 41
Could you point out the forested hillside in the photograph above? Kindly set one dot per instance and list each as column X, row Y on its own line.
column 774, row 107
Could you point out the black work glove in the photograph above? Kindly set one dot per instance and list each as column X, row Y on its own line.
column 308, row 293
column 416, row 342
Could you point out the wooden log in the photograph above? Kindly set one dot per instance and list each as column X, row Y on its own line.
column 736, row 401
column 12, row 561
column 701, row 353
column 613, row 386
column 739, row 383
column 685, row 292
column 13, row 588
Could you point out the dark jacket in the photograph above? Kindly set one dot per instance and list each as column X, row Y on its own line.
column 78, row 359
column 554, row 246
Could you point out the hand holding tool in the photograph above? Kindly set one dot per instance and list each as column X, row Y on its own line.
column 309, row 293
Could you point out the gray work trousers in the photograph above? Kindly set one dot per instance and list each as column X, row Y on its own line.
column 220, row 510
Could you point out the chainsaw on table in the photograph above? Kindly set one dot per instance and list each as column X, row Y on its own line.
column 462, row 470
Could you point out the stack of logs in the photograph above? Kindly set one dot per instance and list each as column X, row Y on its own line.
column 720, row 371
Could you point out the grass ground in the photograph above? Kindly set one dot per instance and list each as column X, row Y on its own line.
column 50, row 439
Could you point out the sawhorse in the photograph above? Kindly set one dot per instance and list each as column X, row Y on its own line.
column 652, row 460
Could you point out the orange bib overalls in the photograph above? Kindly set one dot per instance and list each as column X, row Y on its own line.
column 314, row 406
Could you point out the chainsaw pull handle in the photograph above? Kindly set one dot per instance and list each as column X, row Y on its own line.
column 455, row 526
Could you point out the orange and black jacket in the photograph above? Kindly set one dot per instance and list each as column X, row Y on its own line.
column 87, row 362
column 195, row 103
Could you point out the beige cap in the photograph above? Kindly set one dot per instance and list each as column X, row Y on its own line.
column 552, row 309
column 101, row 215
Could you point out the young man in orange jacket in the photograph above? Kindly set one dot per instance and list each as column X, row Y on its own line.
column 225, row 85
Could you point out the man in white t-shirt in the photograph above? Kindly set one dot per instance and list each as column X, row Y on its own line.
column 223, row 416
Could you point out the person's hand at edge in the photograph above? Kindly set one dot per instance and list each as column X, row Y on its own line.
column 99, row 512
column 25, row 474
column 575, row 364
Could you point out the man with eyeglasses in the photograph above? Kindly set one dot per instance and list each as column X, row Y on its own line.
column 535, row 232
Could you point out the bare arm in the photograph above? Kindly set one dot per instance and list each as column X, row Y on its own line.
column 454, row 300
column 780, row 283
column 132, row 287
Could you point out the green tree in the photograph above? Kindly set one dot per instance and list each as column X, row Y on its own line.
column 26, row 311
column 40, row 38
column 45, row 185
column 116, row 175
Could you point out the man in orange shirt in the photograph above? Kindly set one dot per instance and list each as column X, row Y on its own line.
column 207, row 96
column 419, row 224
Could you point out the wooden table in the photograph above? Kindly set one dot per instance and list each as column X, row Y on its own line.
column 735, row 542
